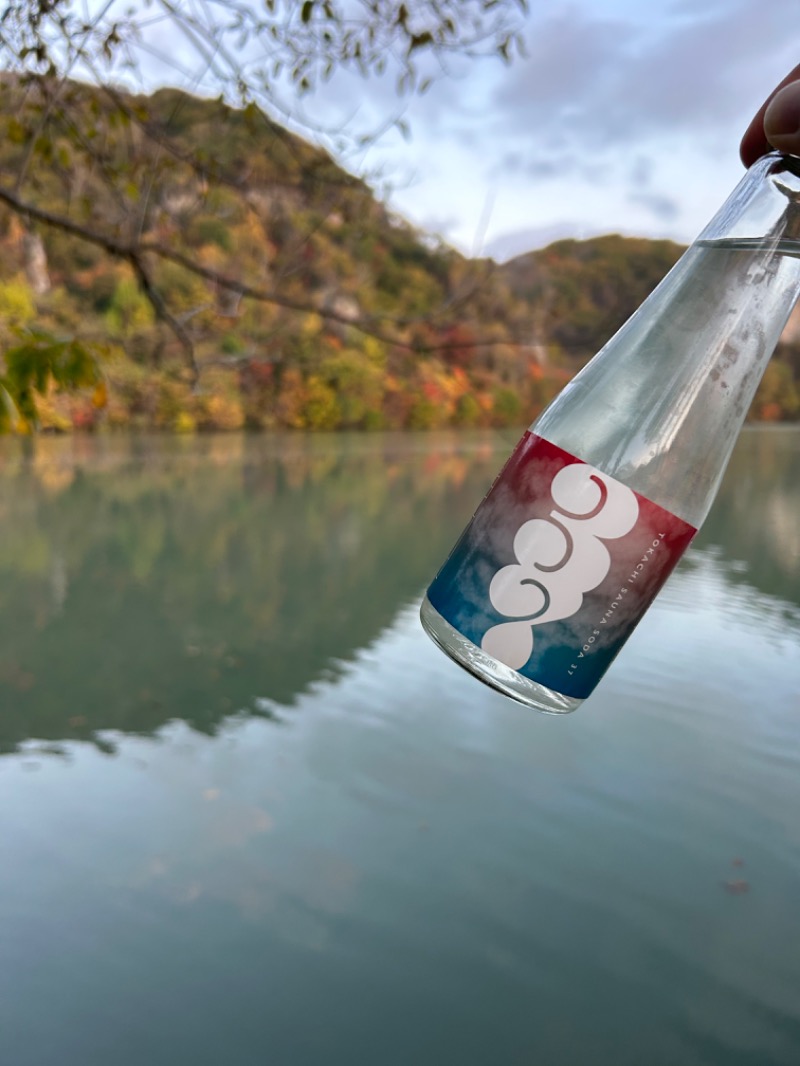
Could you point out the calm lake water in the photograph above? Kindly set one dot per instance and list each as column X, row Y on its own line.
column 249, row 814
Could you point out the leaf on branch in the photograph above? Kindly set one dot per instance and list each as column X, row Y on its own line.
column 112, row 39
column 16, row 132
column 37, row 360
column 419, row 40
column 307, row 11
column 44, row 146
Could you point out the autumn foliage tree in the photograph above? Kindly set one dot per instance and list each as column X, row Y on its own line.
column 110, row 171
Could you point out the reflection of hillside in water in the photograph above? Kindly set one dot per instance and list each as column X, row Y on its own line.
column 755, row 522
column 142, row 582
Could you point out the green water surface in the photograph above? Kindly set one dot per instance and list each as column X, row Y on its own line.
column 250, row 815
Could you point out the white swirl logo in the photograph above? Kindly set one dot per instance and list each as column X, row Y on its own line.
column 560, row 558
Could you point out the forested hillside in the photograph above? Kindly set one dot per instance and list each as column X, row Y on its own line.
column 270, row 289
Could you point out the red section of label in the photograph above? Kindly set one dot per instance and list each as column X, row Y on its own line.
column 557, row 567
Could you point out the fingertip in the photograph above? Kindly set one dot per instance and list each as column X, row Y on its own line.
column 782, row 119
column 754, row 145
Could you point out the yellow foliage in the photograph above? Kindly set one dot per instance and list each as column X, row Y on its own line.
column 171, row 397
column 312, row 324
column 17, row 306
column 52, row 412
column 100, row 395
column 223, row 412
column 320, row 407
column 184, row 423
column 130, row 310
column 358, row 385
column 439, row 393
column 426, row 413
column 468, row 411
column 375, row 352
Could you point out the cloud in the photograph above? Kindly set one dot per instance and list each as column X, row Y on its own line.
column 569, row 55
column 604, row 84
column 440, row 224
column 641, row 171
column 665, row 208
column 662, row 206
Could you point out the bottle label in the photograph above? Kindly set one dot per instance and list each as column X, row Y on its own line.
column 556, row 568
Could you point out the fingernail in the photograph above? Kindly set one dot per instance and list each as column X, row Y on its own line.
column 782, row 119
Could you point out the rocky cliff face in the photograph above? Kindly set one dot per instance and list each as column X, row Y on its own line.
column 34, row 260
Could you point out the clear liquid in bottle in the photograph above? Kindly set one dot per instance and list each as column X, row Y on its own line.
column 605, row 491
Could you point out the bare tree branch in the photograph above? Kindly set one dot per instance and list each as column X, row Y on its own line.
column 133, row 253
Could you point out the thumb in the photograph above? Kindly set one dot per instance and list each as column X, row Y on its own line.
column 782, row 119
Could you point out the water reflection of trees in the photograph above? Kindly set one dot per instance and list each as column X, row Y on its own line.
column 147, row 581
column 142, row 581
column 755, row 522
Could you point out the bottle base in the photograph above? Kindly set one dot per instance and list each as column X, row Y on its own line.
column 489, row 670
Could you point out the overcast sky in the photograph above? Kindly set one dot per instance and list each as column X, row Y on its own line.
column 625, row 117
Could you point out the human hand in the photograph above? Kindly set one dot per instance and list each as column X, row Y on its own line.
column 777, row 122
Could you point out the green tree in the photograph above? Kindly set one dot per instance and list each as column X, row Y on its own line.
column 128, row 310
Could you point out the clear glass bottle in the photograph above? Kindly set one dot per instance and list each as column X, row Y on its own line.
column 606, row 489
